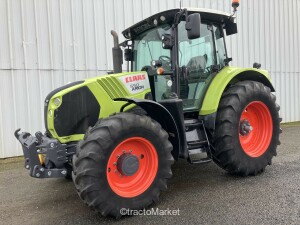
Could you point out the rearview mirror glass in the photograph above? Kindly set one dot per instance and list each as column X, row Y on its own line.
column 231, row 28
column 192, row 26
column 128, row 54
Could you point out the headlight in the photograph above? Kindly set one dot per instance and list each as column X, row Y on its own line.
column 57, row 101
column 50, row 112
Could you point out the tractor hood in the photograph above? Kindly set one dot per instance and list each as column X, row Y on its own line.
column 71, row 109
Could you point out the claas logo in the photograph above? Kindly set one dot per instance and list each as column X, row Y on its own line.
column 135, row 78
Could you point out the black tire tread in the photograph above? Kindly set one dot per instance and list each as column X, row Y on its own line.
column 93, row 151
column 225, row 146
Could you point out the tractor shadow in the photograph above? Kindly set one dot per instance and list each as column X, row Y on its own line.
column 190, row 182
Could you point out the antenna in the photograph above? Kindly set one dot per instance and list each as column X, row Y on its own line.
column 180, row 3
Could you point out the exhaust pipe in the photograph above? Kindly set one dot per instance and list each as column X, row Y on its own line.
column 117, row 53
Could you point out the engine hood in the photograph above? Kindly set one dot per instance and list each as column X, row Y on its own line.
column 71, row 109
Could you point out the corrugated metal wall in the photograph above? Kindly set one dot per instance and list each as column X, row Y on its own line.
column 47, row 43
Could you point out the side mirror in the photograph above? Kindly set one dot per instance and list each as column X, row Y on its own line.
column 128, row 54
column 192, row 26
column 231, row 28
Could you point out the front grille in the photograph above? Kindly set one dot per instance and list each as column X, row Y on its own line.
column 79, row 110
column 50, row 95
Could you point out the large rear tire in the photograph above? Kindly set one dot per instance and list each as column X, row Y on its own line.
column 247, row 129
column 124, row 161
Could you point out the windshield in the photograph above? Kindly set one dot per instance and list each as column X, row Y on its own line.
column 198, row 57
column 148, row 47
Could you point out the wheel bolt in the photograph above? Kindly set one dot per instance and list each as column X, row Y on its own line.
column 115, row 163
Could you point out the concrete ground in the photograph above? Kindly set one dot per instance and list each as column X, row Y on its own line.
column 204, row 194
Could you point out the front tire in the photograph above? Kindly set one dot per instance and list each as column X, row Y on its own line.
column 247, row 129
column 124, row 161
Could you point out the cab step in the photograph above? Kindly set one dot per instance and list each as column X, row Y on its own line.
column 197, row 141
column 198, row 156
column 197, row 144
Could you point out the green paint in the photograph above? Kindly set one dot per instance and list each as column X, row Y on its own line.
column 222, row 79
column 105, row 89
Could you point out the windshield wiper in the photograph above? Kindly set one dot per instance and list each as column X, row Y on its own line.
column 149, row 51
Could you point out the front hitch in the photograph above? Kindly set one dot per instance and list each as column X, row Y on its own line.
column 44, row 157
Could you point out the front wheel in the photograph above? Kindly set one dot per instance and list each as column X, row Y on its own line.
column 247, row 129
column 124, row 161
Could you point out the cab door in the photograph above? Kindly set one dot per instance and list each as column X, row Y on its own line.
column 198, row 59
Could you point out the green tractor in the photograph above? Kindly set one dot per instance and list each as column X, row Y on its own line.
column 118, row 135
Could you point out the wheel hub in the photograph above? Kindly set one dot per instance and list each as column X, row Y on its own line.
column 255, row 129
column 132, row 167
column 245, row 127
column 128, row 164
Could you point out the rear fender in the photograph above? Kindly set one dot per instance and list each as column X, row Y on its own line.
column 228, row 76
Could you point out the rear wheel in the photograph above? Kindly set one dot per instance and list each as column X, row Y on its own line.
column 247, row 129
column 123, row 162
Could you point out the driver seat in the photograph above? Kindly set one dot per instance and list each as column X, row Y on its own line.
column 197, row 63
column 195, row 66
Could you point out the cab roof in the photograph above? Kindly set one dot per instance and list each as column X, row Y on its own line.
column 167, row 17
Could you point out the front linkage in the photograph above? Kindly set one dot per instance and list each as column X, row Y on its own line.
column 44, row 157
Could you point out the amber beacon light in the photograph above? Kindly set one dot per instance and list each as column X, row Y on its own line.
column 235, row 4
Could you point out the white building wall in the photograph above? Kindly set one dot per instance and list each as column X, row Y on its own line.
column 47, row 43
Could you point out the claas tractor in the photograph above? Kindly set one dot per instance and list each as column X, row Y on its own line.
column 118, row 135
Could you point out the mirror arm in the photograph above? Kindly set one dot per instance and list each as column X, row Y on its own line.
column 123, row 44
column 179, row 15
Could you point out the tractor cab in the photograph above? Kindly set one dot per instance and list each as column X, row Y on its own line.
column 181, row 50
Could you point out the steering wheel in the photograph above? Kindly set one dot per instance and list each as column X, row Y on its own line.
column 164, row 58
column 166, row 61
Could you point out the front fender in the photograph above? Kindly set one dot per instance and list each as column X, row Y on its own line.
column 230, row 75
column 160, row 114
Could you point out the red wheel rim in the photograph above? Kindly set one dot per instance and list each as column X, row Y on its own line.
column 140, row 181
column 256, row 129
